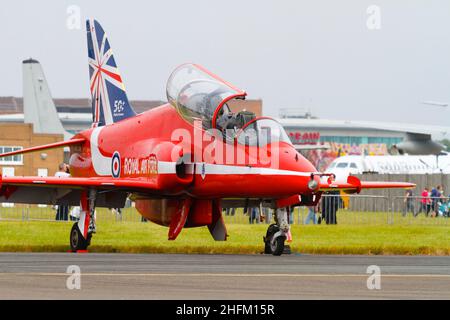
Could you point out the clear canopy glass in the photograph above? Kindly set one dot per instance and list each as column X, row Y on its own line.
column 261, row 132
column 199, row 95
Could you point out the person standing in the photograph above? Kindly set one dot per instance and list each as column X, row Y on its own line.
column 330, row 205
column 311, row 216
column 428, row 197
column 254, row 215
column 62, row 212
column 425, row 202
column 408, row 201
column 424, row 199
column 63, row 171
column 435, row 196
column 267, row 212
column 230, row 211
column 291, row 215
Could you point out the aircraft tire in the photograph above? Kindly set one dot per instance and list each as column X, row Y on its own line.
column 273, row 228
column 278, row 246
column 77, row 241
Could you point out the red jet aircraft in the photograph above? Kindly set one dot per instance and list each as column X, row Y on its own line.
column 181, row 163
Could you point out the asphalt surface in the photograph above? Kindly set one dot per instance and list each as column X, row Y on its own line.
column 170, row 276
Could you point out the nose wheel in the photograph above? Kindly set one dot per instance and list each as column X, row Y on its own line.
column 277, row 234
column 277, row 246
column 274, row 244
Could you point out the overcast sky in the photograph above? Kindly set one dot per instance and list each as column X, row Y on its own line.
column 319, row 55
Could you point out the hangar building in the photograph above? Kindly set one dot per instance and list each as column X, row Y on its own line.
column 322, row 141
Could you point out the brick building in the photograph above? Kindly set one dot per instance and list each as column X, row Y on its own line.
column 14, row 136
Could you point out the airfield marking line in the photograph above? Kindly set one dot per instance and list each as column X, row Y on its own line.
column 253, row 275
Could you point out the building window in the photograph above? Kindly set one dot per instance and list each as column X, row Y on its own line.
column 388, row 141
column 12, row 160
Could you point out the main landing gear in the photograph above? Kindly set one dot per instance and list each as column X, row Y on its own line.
column 277, row 234
column 77, row 240
column 81, row 233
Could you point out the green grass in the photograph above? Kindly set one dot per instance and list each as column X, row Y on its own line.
column 131, row 237
column 344, row 216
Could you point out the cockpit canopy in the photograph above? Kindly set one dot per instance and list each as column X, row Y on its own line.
column 262, row 131
column 199, row 95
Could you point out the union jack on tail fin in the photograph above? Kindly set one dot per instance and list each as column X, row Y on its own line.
column 109, row 99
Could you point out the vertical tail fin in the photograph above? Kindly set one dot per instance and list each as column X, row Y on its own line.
column 109, row 99
column 38, row 106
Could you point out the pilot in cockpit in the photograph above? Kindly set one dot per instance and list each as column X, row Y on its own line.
column 230, row 123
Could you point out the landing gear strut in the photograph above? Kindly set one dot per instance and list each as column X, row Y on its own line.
column 277, row 234
column 81, row 233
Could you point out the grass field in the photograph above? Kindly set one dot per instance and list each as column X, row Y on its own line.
column 38, row 236
column 344, row 216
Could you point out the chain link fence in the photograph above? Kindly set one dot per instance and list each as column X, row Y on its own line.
column 420, row 210
column 332, row 209
column 355, row 210
column 26, row 212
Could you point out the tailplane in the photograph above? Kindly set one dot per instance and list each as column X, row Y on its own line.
column 38, row 106
column 109, row 99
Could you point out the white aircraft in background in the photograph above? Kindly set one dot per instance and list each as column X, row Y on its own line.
column 427, row 164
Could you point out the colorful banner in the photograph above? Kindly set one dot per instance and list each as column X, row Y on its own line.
column 321, row 159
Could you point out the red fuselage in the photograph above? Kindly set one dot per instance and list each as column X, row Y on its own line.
column 145, row 149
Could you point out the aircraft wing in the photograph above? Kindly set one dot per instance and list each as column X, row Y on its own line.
column 112, row 193
column 354, row 185
column 45, row 147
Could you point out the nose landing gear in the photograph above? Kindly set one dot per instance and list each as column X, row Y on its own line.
column 274, row 245
column 274, row 241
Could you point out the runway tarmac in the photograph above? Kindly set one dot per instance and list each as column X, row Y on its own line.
column 179, row 276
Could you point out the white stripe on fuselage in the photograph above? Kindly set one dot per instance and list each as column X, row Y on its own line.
column 217, row 169
column 244, row 170
column 101, row 164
